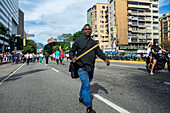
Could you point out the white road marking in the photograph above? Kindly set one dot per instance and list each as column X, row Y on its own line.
column 167, row 83
column 55, row 70
column 11, row 74
column 46, row 64
column 114, row 106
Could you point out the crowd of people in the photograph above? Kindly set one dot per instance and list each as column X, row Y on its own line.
column 56, row 57
column 20, row 58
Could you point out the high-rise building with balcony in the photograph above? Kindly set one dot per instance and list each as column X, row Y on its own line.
column 97, row 18
column 164, row 22
column 136, row 21
column 9, row 18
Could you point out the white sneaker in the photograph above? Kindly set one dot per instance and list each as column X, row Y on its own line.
column 151, row 73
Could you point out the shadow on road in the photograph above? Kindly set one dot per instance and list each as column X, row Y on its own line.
column 19, row 75
column 94, row 89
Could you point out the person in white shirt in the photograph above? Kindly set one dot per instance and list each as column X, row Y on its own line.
column 149, row 55
column 67, row 55
column 27, row 58
column 54, row 57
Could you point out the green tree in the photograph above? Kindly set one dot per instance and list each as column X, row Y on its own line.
column 30, row 47
column 77, row 35
column 3, row 30
column 165, row 44
column 65, row 37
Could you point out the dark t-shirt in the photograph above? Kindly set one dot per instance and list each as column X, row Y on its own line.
column 156, row 48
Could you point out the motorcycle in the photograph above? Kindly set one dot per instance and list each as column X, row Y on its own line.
column 163, row 58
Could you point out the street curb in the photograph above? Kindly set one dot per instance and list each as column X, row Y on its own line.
column 133, row 62
column 4, row 62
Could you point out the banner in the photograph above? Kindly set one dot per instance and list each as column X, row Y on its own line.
column 114, row 31
column 24, row 42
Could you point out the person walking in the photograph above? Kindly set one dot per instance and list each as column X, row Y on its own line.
column 41, row 57
column 57, row 55
column 27, row 57
column 46, row 57
column 62, row 57
column 67, row 55
column 86, row 64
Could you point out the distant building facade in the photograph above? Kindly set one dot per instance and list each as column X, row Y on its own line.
column 97, row 18
column 9, row 18
column 51, row 40
column 136, row 21
column 20, row 28
column 164, row 22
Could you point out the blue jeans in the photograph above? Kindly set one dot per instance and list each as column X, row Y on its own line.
column 85, row 86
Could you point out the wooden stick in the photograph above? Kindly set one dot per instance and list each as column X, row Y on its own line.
column 87, row 51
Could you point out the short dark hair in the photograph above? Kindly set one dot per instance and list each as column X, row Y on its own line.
column 86, row 25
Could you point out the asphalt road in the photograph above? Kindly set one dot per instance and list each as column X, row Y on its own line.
column 40, row 88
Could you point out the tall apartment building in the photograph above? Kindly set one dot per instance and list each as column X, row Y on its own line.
column 137, row 23
column 112, row 25
column 97, row 18
column 20, row 28
column 164, row 22
column 9, row 19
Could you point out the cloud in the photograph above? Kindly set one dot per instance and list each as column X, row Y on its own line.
column 50, row 18
column 163, row 3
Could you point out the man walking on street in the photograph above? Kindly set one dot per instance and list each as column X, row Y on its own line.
column 46, row 57
column 57, row 54
column 27, row 58
column 86, row 64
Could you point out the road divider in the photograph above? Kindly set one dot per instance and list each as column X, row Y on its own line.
column 114, row 106
column 11, row 74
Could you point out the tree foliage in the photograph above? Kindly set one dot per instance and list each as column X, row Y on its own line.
column 77, row 35
column 3, row 30
column 30, row 47
column 165, row 44
column 52, row 47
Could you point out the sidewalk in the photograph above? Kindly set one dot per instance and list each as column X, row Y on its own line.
column 4, row 62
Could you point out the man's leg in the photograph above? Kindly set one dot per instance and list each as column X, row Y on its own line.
column 85, row 87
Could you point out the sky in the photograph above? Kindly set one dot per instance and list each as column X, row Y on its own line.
column 51, row 18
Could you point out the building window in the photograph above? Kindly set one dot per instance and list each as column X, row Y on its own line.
column 103, row 7
column 155, row 34
column 165, row 24
column 165, row 29
column 155, row 22
column 155, row 11
column 155, row 28
column 134, row 11
column 102, row 31
column 165, row 34
column 155, row 5
column 147, row 11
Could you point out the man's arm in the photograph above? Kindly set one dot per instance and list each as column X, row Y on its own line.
column 163, row 50
column 101, row 55
column 153, row 51
column 148, row 45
